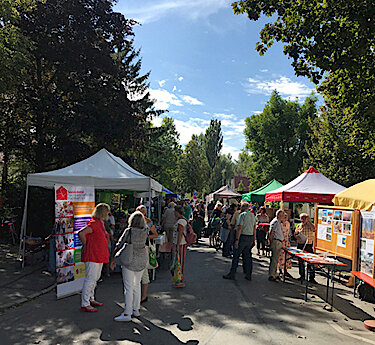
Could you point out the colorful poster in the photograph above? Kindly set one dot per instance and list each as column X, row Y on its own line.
column 324, row 232
column 337, row 227
column 337, row 215
column 73, row 208
column 367, row 243
column 341, row 241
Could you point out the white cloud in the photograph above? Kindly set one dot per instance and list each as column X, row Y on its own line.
column 153, row 10
column 228, row 82
column 191, row 100
column 225, row 116
column 284, row 85
column 174, row 88
column 161, row 83
column 206, row 113
column 180, row 78
column 188, row 128
column 164, row 99
column 193, row 125
column 234, row 151
column 264, row 70
column 156, row 121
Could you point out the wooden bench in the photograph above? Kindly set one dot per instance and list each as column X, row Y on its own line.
column 364, row 277
column 368, row 324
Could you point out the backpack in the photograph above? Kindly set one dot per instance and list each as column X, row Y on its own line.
column 191, row 236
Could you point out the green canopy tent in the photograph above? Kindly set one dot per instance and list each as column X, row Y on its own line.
column 258, row 195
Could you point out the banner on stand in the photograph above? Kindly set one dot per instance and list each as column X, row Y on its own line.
column 73, row 208
column 366, row 263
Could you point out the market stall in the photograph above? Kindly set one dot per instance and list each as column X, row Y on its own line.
column 169, row 194
column 224, row 192
column 259, row 195
column 75, row 187
column 311, row 186
column 362, row 196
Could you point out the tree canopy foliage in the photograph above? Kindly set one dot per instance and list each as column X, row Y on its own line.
column 81, row 88
column 333, row 43
column 213, row 144
column 161, row 155
column 277, row 139
column 330, row 154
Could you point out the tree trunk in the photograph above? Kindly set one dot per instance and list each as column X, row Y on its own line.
column 4, row 173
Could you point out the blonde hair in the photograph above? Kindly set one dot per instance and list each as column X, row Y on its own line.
column 142, row 208
column 137, row 220
column 100, row 211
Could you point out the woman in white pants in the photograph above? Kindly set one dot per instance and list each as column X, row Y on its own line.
column 136, row 234
column 151, row 234
column 94, row 253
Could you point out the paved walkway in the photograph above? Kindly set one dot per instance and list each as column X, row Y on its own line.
column 210, row 310
column 18, row 286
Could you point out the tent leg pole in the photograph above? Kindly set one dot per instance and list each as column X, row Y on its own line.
column 149, row 200
column 21, row 250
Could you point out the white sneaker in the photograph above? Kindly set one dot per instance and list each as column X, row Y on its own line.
column 136, row 313
column 123, row 318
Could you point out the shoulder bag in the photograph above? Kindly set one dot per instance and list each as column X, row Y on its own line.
column 125, row 255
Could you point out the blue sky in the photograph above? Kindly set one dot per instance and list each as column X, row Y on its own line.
column 204, row 65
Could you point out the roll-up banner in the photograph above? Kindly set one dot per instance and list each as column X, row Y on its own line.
column 73, row 208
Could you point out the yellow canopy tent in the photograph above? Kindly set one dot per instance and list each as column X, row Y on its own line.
column 360, row 196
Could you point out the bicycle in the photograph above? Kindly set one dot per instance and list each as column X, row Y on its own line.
column 214, row 230
column 8, row 229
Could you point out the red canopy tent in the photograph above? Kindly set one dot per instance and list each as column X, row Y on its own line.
column 311, row 186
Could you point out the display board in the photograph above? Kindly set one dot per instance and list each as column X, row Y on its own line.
column 73, row 208
column 366, row 253
column 337, row 231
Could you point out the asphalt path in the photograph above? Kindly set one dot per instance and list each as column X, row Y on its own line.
column 209, row 310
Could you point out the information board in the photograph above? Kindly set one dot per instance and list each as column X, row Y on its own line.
column 337, row 231
column 366, row 256
column 73, row 208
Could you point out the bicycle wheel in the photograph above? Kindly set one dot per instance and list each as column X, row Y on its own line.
column 217, row 240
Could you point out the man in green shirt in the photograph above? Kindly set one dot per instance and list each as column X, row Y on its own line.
column 187, row 209
column 244, row 241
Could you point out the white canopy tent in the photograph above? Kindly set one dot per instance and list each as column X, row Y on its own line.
column 103, row 170
column 223, row 192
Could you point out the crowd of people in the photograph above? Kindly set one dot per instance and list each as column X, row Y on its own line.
column 239, row 226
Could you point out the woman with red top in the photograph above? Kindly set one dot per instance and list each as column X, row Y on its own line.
column 95, row 252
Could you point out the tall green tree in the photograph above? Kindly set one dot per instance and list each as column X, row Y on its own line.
column 193, row 167
column 243, row 163
column 213, row 144
column 333, row 43
column 329, row 152
column 161, row 154
column 82, row 93
column 277, row 139
column 223, row 171
column 14, row 58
